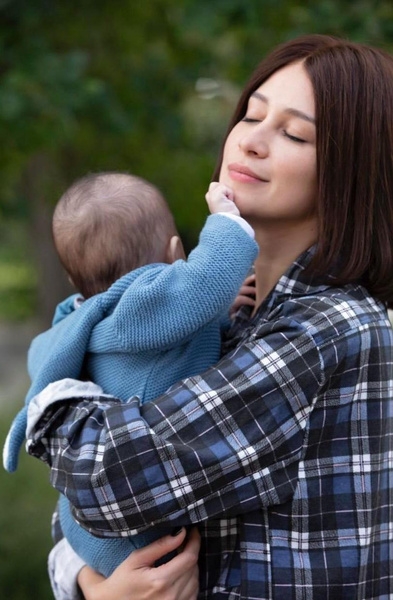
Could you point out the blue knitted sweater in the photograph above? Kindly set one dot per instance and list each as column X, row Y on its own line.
column 151, row 328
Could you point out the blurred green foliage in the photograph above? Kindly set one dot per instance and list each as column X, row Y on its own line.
column 18, row 279
column 146, row 87
column 26, row 501
column 92, row 85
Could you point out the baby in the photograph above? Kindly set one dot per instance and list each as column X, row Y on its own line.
column 145, row 316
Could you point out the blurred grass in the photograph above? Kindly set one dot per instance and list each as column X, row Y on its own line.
column 27, row 501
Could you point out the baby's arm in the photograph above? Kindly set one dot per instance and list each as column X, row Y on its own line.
column 165, row 304
column 221, row 199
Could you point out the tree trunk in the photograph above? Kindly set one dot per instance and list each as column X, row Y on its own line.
column 41, row 183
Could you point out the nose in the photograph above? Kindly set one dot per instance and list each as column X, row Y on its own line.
column 255, row 142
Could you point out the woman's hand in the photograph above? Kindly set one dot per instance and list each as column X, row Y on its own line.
column 137, row 579
column 246, row 296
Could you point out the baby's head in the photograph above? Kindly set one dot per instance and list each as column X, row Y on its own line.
column 107, row 224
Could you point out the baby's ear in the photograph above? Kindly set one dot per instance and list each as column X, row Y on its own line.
column 175, row 250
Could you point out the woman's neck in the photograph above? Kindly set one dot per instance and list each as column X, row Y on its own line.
column 277, row 251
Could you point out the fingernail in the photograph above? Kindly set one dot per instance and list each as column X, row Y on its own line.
column 176, row 532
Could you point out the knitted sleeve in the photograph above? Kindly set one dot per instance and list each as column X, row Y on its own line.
column 166, row 304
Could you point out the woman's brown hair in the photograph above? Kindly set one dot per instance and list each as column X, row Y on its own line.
column 353, row 88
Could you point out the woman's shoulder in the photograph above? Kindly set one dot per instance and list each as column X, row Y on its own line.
column 333, row 312
column 325, row 316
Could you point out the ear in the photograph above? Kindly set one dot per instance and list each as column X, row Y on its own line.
column 175, row 250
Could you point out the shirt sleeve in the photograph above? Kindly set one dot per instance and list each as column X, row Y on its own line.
column 167, row 304
column 220, row 444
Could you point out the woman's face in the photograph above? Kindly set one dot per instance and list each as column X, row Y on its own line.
column 270, row 156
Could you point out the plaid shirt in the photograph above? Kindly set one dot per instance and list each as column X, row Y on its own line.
column 282, row 453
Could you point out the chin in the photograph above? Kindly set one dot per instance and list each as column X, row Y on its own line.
column 247, row 215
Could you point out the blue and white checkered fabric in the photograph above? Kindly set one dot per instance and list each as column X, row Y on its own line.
column 282, row 453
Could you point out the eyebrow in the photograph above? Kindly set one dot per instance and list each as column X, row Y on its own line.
column 291, row 111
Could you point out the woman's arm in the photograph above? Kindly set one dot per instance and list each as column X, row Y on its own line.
column 137, row 578
column 223, row 443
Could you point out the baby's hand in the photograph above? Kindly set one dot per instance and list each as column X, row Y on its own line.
column 220, row 198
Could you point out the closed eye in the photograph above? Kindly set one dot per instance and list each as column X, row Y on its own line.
column 294, row 138
column 250, row 120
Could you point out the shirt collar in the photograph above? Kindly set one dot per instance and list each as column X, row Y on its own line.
column 293, row 283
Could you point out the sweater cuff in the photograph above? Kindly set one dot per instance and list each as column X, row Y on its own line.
column 242, row 222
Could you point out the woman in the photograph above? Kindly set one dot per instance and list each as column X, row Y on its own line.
column 282, row 452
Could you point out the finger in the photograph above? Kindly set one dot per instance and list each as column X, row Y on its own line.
column 211, row 189
column 188, row 582
column 213, row 185
column 228, row 192
column 243, row 298
column 249, row 280
column 87, row 577
column 193, row 542
column 147, row 556
column 185, row 561
column 246, row 301
column 247, row 291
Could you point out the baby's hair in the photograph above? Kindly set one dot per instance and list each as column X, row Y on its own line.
column 107, row 224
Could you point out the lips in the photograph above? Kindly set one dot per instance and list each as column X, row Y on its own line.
column 240, row 172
